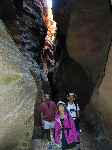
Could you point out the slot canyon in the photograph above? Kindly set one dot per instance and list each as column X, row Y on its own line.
column 78, row 56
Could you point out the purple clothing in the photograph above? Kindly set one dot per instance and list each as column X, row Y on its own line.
column 71, row 136
column 48, row 108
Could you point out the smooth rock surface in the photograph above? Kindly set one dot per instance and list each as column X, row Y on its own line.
column 89, row 34
column 86, row 26
column 99, row 111
column 18, row 93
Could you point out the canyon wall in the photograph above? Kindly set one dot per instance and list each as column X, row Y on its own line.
column 18, row 93
column 87, row 28
column 99, row 112
column 89, row 35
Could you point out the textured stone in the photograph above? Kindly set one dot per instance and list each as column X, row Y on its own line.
column 89, row 35
column 99, row 111
column 17, row 96
column 87, row 27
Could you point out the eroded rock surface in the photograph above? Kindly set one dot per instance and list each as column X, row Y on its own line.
column 86, row 26
column 99, row 111
column 18, row 93
column 89, row 34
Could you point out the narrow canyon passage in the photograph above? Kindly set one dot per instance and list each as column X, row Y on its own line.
column 63, row 53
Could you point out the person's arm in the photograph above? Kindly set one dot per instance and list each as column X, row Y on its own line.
column 78, row 111
column 74, row 131
column 57, row 129
column 41, row 114
column 42, row 123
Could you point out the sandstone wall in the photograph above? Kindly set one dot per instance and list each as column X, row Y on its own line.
column 18, row 93
column 99, row 111
column 89, row 34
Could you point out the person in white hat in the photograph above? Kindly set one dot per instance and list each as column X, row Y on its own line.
column 73, row 108
column 65, row 134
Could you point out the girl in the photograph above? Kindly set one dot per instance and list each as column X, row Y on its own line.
column 64, row 129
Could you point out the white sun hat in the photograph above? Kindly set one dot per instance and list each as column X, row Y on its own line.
column 61, row 103
column 71, row 94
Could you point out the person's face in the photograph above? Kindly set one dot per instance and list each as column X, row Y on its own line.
column 71, row 98
column 47, row 97
column 61, row 108
column 43, row 100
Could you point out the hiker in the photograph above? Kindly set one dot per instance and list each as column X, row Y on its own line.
column 73, row 108
column 47, row 109
column 65, row 133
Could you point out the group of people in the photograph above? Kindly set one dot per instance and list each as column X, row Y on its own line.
column 60, row 122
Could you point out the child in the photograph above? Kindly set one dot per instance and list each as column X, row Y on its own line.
column 64, row 130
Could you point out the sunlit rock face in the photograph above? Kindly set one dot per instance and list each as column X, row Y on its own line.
column 17, row 96
column 99, row 111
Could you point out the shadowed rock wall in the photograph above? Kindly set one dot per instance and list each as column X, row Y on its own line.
column 89, row 34
column 87, row 27
column 99, row 111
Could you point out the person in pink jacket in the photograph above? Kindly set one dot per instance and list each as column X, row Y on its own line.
column 64, row 128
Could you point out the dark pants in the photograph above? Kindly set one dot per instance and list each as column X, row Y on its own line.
column 65, row 145
column 63, row 140
column 46, row 134
column 77, row 124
